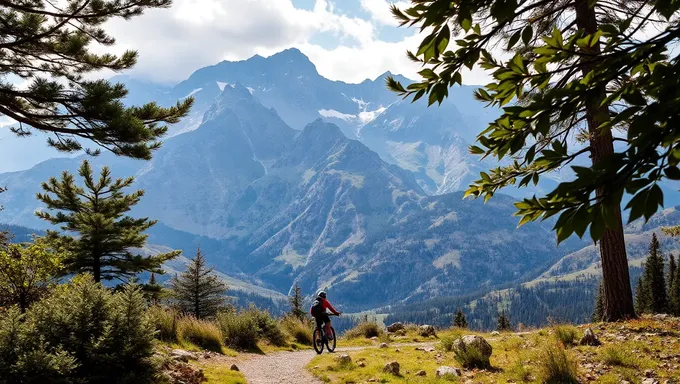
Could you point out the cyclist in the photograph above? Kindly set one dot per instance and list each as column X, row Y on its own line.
column 318, row 310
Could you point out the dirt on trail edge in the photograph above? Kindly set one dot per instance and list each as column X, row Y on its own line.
column 289, row 367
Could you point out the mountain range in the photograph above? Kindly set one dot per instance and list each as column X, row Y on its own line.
column 283, row 176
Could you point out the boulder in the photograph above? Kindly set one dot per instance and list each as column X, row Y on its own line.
column 445, row 371
column 426, row 331
column 421, row 373
column 182, row 355
column 462, row 344
column 343, row 359
column 234, row 368
column 589, row 338
column 495, row 333
column 394, row 327
column 392, row 368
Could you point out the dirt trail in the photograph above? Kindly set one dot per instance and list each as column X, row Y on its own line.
column 289, row 367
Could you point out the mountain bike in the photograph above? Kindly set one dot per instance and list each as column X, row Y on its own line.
column 319, row 338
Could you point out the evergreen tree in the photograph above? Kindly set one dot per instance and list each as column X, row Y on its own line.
column 460, row 321
column 503, row 322
column 105, row 235
column 49, row 44
column 643, row 296
column 674, row 294
column 296, row 303
column 671, row 274
column 598, row 312
column 654, row 278
column 578, row 68
column 198, row 290
column 153, row 291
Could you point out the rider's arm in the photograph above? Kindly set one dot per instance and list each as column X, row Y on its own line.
column 328, row 305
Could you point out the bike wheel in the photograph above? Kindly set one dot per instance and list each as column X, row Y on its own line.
column 330, row 344
column 317, row 340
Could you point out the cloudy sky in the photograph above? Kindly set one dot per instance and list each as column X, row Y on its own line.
column 348, row 40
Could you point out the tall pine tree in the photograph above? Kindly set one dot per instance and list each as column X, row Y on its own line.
column 643, row 296
column 460, row 321
column 674, row 293
column 503, row 322
column 96, row 213
column 598, row 312
column 296, row 303
column 48, row 44
column 198, row 290
column 671, row 274
column 654, row 278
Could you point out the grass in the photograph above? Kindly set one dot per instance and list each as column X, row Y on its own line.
column 365, row 329
column 202, row 333
column 556, row 367
column 522, row 358
column 219, row 373
column 568, row 335
column 298, row 330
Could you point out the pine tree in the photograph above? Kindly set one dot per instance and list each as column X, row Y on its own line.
column 598, row 312
column 96, row 213
column 671, row 274
column 503, row 322
column 460, row 321
column 152, row 291
column 296, row 302
column 654, row 278
column 674, row 294
column 643, row 299
column 49, row 45
column 198, row 290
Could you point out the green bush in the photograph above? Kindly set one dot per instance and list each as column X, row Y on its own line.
column 446, row 343
column 556, row 367
column 366, row 329
column 471, row 357
column 268, row 328
column 202, row 333
column 165, row 322
column 239, row 331
column 566, row 334
column 82, row 332
column 297, row 329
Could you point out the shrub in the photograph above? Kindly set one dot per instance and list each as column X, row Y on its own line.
column 446, row 343
column 165, row 323
column 556, row 367
column 471, row 357
column 199, row 332
column 239, row 331
column 268, row 328
column 566, row 334
column 300, row 331
column 365, row 329
column 520, row 372
column 617, row 356
column 82, row 332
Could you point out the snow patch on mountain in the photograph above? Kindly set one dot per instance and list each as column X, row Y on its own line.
column 195, row 91
column 337, row 115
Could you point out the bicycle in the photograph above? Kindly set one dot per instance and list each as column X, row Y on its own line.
column 320, row 339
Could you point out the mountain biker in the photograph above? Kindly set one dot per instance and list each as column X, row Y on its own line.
column 318, row 310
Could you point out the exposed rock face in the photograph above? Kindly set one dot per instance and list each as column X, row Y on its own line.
column 395, row 327
column 589, row 338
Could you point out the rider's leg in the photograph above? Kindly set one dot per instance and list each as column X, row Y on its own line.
column 319, row 324
column 329, row 333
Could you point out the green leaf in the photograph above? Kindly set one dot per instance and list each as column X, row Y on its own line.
column 672, row 173
column 513, row 40
column 527, row 34
column 466, row 24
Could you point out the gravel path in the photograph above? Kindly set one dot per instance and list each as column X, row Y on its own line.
column 289, row 367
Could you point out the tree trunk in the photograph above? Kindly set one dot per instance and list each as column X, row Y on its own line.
column 96, row 267
column 618, row 297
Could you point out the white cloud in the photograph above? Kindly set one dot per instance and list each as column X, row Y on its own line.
column 380, row 10
column 174, row 42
